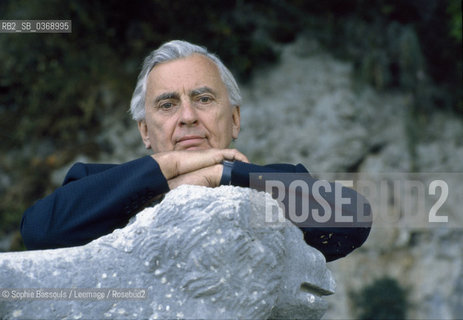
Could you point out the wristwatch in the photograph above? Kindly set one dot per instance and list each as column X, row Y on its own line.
column 226, row 173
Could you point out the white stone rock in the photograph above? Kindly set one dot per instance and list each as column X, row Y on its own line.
column 201, row 253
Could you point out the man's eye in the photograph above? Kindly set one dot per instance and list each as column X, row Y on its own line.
column 166, row 106
column 205, row 99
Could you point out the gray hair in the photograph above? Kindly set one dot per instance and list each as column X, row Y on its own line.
column 172, row 50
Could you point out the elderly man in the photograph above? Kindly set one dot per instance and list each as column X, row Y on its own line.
column 186, row 103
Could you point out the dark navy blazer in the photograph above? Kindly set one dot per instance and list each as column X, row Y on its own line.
column 95, row 199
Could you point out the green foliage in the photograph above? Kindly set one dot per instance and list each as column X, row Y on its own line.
column 382, row 299
column 455, row 25
column 405, row 45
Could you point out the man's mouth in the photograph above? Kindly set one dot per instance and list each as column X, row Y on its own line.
column 189, row 142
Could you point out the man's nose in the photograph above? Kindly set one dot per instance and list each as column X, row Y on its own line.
column 188, row 114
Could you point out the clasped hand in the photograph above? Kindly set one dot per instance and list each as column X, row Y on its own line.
column 202, row 167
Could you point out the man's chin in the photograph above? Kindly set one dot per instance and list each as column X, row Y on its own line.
column 195, row 148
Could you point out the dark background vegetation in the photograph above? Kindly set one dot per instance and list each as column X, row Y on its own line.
column 55, row 89
column 382, row 299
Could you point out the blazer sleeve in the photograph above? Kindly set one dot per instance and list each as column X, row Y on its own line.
column 94, row 200
column 333, row 241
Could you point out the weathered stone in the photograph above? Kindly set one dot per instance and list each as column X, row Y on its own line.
column 200, row 253
column 310, row 109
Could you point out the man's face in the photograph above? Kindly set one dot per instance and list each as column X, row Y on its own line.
column 187, row 107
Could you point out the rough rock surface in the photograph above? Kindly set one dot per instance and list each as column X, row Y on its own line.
column 309, row 109
column 200, row 253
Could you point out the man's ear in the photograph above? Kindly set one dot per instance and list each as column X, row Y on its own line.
column 143, row 128
column 236, row 121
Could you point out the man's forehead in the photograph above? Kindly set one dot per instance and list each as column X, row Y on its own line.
column 194, row 66
column 195, row 72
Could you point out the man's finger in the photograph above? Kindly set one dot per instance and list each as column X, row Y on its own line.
column 176, row 163
column 233, row 154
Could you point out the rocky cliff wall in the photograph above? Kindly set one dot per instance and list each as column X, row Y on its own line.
column 310, row 109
